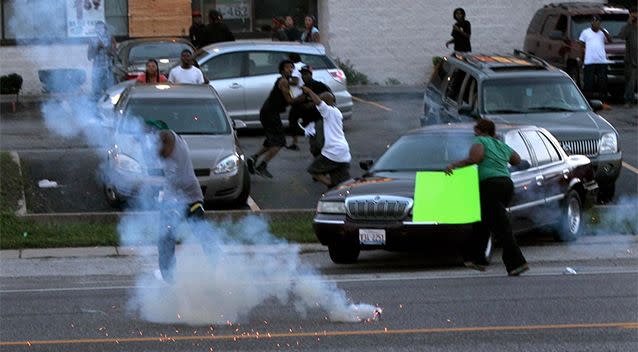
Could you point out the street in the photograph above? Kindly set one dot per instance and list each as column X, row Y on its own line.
column 62, row 304
column 378, row 120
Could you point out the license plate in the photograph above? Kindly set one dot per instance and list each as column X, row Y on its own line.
column 371, row 236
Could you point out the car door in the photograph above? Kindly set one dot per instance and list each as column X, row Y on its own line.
column 450, row 106
column 528, row 193
column 262, row 73
column 549, row 44
column 555, row 175
column 550, row 167
column 225, row 73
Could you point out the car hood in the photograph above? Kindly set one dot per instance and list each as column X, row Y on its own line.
column 205, row 150
column 563, row 125
column 385, row 183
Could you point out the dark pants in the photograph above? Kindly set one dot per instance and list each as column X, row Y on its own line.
column 296, row 112
column 631, row 79
column 273, row 129
column 595, row 80
column 171, row 218
column 496, row 194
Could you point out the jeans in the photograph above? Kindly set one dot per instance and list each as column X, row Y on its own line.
column 495, row 193
column 102, row 79
column 631, row 73
column 171, row 218
column 595, row 76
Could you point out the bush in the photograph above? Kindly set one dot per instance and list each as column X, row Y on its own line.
column 10, row 84
column 353, row 76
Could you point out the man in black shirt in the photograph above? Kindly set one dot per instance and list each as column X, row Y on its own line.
column 461, row 32
column 311, row 117
column 195, row 31
column 216, row 31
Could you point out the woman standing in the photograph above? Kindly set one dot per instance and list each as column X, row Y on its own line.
column 461, row 32
column 311, row 33
column 152, row 74
column 496, row 190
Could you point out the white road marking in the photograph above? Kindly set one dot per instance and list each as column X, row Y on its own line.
column 251, row 204
column 630, row 167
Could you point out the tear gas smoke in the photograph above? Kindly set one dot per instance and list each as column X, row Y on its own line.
column 214, row 285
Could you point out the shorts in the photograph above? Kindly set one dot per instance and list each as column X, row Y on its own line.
column 338, row 172
column 273, row 129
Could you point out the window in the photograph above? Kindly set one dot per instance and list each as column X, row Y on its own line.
column 516, row 142
column 223, row 66
column 540, row 150
column 456, row 81
column 535, row 24
column 550, row 147
column 440, row 73
column 469, row 93
column 265, row 62
column 317, row 62
column 550, row 24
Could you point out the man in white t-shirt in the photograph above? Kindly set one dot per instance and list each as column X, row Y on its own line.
column 332, row 166
column 595, row 58
column 186, row 73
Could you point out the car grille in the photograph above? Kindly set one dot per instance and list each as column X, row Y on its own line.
column 616, row 65
column 202, row 172
column 587, row 147
column 378, row 207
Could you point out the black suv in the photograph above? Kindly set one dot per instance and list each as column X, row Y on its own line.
column 554, row 30
column 522, row 89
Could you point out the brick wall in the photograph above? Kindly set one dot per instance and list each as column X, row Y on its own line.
column 397, row 39
column 153, row 18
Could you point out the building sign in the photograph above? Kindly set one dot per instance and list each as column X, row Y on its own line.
column 81, row 16
column 233, row 9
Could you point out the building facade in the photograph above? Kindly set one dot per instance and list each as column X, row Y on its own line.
column 391, row 42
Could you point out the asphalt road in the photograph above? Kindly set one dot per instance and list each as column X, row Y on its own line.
column 427, row 306
column 378, row 120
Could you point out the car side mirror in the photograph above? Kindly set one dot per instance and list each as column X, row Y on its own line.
column 556, row 35
column 366, row 164
column 596, row 105
column 237, row 124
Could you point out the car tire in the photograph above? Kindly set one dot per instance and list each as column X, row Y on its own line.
column 245, row 190
column 114, row 200
column 572, row 221
column 343, row 254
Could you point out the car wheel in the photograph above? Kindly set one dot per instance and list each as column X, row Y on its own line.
column 112, row 197
column 245, row 190
column 606, row 192
column 343, row 254
column 571, row 225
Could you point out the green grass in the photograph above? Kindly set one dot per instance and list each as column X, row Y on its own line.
column 10, row 184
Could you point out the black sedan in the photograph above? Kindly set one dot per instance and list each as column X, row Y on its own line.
column 375, row 211
column 132, row 55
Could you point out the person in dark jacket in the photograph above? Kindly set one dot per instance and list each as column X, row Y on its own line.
column 276, row 103
column 291, row 30
column 216, row 31
column 461, row 32
column 496, row 190
column 196, row 30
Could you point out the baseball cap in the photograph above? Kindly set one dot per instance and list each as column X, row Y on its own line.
column 306, row 68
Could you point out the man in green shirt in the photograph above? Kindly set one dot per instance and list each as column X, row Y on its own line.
column 496, row 190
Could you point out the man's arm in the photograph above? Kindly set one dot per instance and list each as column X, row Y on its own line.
column 607, row 36
column 315, row 98
column 285, row 89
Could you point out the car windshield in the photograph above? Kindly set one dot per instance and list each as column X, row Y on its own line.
column 612, row 23
column 516, row 96
column 419, row 152
column 145, row 51
column 184, row 116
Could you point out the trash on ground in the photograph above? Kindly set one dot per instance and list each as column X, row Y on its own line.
column 569, row 271
column 47, row 184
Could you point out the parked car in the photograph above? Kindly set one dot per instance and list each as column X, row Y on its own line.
column 551, row 188
column 195, row 113
column 553, row 36
column 132, row 55
column 244, row 72
column 520, row 88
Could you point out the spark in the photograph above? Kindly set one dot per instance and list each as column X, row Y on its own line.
column 400, row 306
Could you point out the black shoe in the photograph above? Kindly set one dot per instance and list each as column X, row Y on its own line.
column 475, row 266
column 261, row 170
column 250, row 162
column 518, row 271
column 292, row 147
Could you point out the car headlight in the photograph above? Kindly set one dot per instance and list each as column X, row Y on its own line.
column 126, row 163
column 229, row 164
column 331, row 207
column 608, row 143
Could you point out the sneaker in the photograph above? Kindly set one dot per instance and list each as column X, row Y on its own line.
column 472, row 265
column 606, row 106
column 250, row 162
column 261, row 170
column 516, row 272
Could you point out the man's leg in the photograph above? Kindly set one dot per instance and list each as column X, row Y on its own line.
column 630, row 86
column 588, row 80
column 601, row 72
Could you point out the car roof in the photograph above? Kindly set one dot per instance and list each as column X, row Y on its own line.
column 265, row 45
column 466, row 128
column 587, row 8
column 517, row 64
column 154, row 40
column 175, row 91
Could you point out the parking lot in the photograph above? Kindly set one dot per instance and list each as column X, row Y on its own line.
column 379, row 117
